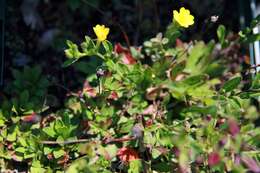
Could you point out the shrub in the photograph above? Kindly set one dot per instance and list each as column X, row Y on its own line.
column 161, row 107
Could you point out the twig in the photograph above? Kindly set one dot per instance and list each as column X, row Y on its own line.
column 112, row 140
column 183, row 53
column 106, row 141
column 65, row 142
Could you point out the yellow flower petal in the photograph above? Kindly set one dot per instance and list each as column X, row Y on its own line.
column 183, row 18
column 176, row 15
column 101, row 32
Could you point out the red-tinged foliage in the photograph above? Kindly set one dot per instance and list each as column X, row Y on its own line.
column 213, row 159
column 89, row 90
column 176, row 151
column 127, row 57
column 148, row 123
column 120, row 49
column 220, row 122
column 32, row 118
column 251, row 164
column 50, row 156
column 113, row 95
column 64, row 160
column 179, row 43
column 126, row 154
column 233, row 127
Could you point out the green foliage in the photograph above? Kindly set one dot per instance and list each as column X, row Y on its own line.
column 247, row 35
column 156, row 109
column 221, row 32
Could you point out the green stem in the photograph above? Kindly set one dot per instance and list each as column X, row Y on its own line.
column 98, row 45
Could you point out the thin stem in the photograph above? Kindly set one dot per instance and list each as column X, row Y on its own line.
column 100, row 56
column 65, row 142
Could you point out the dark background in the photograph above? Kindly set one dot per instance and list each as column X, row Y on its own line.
column 36, row 30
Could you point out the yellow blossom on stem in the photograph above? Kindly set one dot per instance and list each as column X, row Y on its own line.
column 184, row 18
column 101, row 32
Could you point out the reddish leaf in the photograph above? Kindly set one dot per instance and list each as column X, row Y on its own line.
column 126, row 154
column 128, row 59
column 120, row 49
column 89, row 89
column 33, row 118
column 113, row 96
column 233, row 127
column 251, row 164
column 213, row 159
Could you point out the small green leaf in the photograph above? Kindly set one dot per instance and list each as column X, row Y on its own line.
column 24, row 97
column 177, row 69
column 49, row 131
column 155, row 153
column 22, row 141
column 221, row 32
column 69, row 62
column 20, row 149
column 11, row 137
column 135, row 166
column 108, row 46
column 231, row 84
column 162, row 167
column 73, row 51
column 47, row 150
column 88, row 46
column 57, row 154
column 195, row 80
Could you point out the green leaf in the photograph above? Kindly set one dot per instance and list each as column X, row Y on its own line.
column 256, row 82
column 155, row 153
column 24, row 97
column 88, row 46
column 59, row 153
column 212, row 110
column 11, row 137
column 172, row 33
column 47, row 150
column 135, row 166
column 195, row 80
column 231, row 84
column 177, row 69
column 108, row 46
column 199, row 58
column 38, row 170
column 81, row 165
column 22, row 141
column 20, row 149
column 69, row 62
column 73, row 51
column 252, row 38
column 221, row 32
column 162, row 167
column 49, row 131
column 28, row 156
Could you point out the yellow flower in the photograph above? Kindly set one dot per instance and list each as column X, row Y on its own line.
column 101, row 32
column 184, row 18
